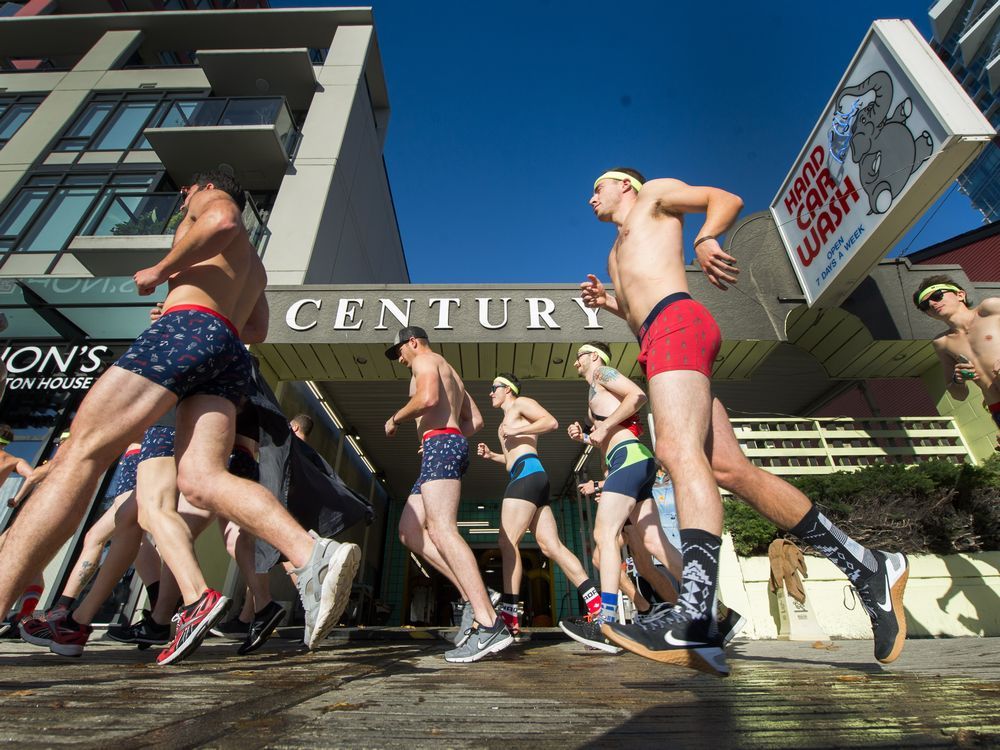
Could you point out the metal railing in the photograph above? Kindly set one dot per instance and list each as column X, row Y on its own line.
column 790, row 447
column 123, row 214
column 232, row 111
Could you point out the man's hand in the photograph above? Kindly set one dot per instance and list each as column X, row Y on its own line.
column 598, row 434
column 719, row 267
column 575, row 432
column 996, row 369
column 593, row 293
column 390, row 426
column 484, row 451
column 147, row 280
column 587, row 488
column 156, row 312
column 964, row 371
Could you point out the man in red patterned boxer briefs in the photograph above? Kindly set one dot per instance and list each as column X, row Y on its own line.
column 678, row 343
column 446, row 415
column 192, row 357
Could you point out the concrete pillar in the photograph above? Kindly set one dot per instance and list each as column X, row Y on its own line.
column 973, row 419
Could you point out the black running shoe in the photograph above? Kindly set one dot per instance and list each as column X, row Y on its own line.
column 588, row 632
column 673, row 638
column 882, row 596
column 264, row 623
column 233, row 628
column 145, row 633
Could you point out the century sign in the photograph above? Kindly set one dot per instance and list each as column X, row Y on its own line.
column 897, row 131
column 344, row 314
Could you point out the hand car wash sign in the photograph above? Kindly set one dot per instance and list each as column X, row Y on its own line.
column 897, row 131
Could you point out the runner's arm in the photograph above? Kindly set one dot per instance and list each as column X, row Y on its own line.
column 217, row 226
column 470, row 421
column 958, row 389
column 538, row 419
column 594, row 294
column 425, row 392
column 484, row 452
column 255, row 329
column 631, row 400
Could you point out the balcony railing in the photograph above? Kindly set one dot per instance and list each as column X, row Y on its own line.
column 791, row 447
column 132, row 214
column 232, row 111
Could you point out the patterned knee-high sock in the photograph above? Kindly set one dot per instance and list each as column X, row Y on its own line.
column 818, row 531
column 701, row 572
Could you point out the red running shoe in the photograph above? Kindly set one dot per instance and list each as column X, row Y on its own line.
column 56, row 632
column 192, row 625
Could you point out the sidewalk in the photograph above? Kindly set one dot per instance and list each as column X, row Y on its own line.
column 542, row 693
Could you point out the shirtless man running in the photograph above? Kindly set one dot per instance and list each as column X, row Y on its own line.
column 679, row 341
column 970, row 348
column 446, row 415
column 191, row 357
column 526, row 500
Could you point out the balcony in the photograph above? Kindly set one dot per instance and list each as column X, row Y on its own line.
column 132, row 231
column 253, row 136
column 251, row 72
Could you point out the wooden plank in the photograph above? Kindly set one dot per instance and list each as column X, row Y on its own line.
column 488, row 360
column 293, row 361
column 346, row 362
column 798, row 322
column 880, row 354
column 731, row 353
column 453, row 354
column 854, row 350
column 365, row 362
column 314, row 368
column 761, row 351
column 470, row 362
column 275, row 363
column 541, row 358
column 505, row 357
column 557, row 370
column 331, row 367
column 828, row 346
column 827, row 325
column 383, row 367
column 916, row 352
column 522, row 359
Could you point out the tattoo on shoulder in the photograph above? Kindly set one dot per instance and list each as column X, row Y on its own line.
column 607, row 374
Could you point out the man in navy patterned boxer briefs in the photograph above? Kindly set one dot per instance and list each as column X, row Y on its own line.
column 446, row 415
column 192, row 357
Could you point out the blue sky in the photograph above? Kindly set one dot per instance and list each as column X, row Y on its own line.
column 504, row 113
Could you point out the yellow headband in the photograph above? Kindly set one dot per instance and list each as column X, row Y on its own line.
column 595, row 350
column 514, row 389
column 64, row 436
column 937, row 287
column 4, row 441
column 621, row 176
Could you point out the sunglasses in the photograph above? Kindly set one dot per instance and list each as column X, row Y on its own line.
column 934, row 296
column 496, row 387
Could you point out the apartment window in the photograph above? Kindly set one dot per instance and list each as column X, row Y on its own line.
column 49, row 210
column 14, row 112
column 114, row 122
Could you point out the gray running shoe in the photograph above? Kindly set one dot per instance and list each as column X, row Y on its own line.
column 468, row 615
column 325, row 585
column 480, row 642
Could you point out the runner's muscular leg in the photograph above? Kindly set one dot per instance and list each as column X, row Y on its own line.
column 681, row 401
column 515, row 516
column 413, row 534
column 93, row 544
column 612, row 512
column 58, row 504
column 205, row 434
column 772, row 497
column 543, row 526
column 441, row 498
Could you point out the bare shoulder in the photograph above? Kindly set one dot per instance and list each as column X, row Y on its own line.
column 606, row 374
column 989, row 306
column 940, row 343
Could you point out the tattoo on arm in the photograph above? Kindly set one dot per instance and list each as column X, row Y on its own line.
column 607, row 374
column 87, row 571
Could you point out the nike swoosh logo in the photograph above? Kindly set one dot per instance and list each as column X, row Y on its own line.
column 886, row 605
column 669, row 638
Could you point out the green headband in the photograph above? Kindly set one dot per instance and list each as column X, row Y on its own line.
column 595, row 350
column 514, row 389
column 4, row 441
column 64, row 436
column 622, row 177
column 937, row 287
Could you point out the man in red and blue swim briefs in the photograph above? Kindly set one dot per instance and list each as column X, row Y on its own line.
column 446, row 416
column 679, row 341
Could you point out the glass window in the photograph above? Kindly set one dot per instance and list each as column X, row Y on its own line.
column 125, row 126
column 58, row 222
column 19, row 213
column 13, row 118
column 193, row 113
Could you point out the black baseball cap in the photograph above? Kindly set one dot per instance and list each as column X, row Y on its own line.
column 404, row 335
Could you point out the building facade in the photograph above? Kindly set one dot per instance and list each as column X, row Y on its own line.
column 966, row 36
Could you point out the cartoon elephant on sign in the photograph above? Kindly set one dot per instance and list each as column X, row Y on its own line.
column 884, row 149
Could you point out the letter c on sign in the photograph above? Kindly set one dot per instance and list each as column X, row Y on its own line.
column 293, row 313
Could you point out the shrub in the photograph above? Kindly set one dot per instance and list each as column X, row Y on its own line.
column 751, row 531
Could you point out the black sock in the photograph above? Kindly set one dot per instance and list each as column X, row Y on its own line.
column 701, row 572
column 73, row 623
column 590, row 592
column 508, row 599
column 855, row 561
column 153, row 591
column 64, row 601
